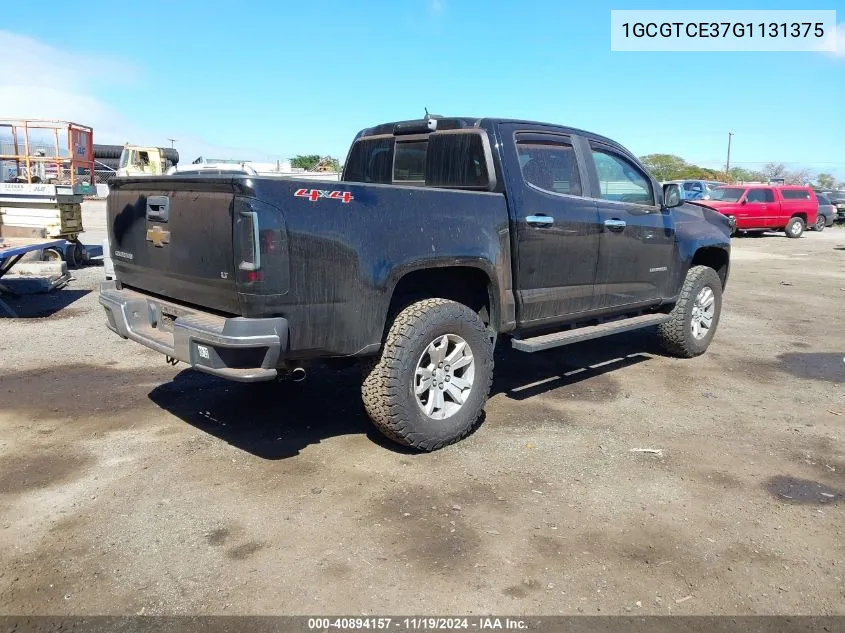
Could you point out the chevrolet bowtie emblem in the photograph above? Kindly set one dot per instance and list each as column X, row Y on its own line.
column 158, row 236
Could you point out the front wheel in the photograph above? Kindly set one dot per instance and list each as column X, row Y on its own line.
column 795, row 227
column 693, row 321
column 431, row 383
column 820, row 223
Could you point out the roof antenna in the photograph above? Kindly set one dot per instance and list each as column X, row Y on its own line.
column 430, row 121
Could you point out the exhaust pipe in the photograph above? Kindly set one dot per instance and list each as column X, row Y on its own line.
column 298, row 374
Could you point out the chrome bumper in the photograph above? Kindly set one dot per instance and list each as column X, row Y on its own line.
column 236, row 348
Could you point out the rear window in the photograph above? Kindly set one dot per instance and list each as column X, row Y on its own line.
column 409, row 164
column 457, row 160
column 452, row 160
column 370, row 160
column 822, row 199
column 795, row 194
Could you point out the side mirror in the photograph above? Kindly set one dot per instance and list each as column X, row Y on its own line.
column 743, row 201
column 671, row 196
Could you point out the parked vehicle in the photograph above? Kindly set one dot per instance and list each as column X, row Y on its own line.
column 444, row 236
column 788, row 208
column 827, row 213
column 695, row 189
column 137, row 160
column 838, row 200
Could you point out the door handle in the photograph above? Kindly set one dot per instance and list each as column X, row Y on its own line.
column 540, row 220
column 158, row 208
column 615, row 224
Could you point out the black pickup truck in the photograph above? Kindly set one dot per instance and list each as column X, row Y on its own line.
column 443, row 236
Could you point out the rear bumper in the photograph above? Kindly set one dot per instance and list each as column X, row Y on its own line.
column 237, row 348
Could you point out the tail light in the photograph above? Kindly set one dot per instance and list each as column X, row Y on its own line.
column 261, row 253
column 250, row 247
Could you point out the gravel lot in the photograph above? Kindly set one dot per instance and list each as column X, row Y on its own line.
column 129, row 486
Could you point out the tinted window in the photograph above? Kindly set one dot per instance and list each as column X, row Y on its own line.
column 370, row 160
column 409, row 164
column 760, row 195
column 456, row 160
column 795, row 194
column 822, row 200
column 620, row 180
column 693, row 186
column 550, row 166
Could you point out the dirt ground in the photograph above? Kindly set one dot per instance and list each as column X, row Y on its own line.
column 128, row 486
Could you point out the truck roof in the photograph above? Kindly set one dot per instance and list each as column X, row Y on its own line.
column 457, row 123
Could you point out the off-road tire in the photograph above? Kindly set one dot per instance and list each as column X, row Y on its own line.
column 794, row 228
column 676, row 334
column 107, row 151
column 388, row 384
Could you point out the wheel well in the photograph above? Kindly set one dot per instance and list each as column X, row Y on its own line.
column 464, row 284
column 803, row 216
column 715, row 258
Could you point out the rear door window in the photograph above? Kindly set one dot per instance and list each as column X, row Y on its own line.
column 550, row 166
column 760, row 195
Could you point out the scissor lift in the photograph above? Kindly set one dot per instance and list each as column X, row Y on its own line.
column 46, row 168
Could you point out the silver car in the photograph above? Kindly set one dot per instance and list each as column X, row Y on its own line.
column 693, row 189
column 827, row 213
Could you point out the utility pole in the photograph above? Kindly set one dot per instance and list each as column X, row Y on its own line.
column 172, row 140
column 728, row 162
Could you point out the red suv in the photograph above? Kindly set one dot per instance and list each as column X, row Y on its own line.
column 765, row 207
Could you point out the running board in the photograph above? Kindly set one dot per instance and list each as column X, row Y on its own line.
column 576, row 335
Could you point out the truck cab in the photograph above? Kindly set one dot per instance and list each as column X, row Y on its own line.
column 140, row 161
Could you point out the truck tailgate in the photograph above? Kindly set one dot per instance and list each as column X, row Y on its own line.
column 174, row 238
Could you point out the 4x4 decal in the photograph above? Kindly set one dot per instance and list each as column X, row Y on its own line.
column 315, row 194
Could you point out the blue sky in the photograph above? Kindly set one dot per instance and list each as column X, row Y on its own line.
column 274, row 79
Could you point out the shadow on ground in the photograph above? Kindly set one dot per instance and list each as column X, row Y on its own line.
column 824, row 366
column 802, row 491
column 277, row 420
column 43, row 305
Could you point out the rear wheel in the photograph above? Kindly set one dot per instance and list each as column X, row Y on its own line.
column 795, row 227
column 74, row 254
column 431, row 383
column 694, row 319
column 820, row 223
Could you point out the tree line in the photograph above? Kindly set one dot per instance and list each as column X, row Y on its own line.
column 315, row 162
column 670, row 167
